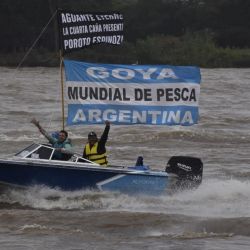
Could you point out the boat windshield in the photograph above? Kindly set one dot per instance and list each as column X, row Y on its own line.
column 27, row 150
column 36, row 151
column 45, row 152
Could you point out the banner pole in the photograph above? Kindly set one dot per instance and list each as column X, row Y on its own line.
column 62, row 88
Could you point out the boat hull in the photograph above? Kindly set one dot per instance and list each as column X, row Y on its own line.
column 68, row 177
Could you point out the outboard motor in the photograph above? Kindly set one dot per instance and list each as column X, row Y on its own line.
column 188, row 170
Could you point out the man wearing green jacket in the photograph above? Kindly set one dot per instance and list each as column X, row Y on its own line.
column 62, row 145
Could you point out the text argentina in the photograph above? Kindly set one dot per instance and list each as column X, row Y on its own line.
column 134, row 116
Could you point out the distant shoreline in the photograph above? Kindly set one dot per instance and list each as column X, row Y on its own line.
column 204, row 58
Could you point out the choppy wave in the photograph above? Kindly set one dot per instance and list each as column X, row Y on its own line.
column 142, row 138
column 188, row 235
column 214, row 198
column 216, row 210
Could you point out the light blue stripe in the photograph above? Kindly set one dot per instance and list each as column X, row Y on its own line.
column 73, row 108
column 77, row 71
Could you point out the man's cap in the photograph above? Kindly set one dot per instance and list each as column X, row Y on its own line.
column 92, row 134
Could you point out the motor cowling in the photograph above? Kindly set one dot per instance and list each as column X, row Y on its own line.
column 188, row 169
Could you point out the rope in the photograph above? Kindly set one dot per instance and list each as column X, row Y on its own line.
column 37, row 39
column 32, row 46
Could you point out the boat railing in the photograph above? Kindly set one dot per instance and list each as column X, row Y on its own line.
column 78, row 159
column 45, row 153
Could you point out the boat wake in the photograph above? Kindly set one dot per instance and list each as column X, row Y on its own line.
column 214, row 198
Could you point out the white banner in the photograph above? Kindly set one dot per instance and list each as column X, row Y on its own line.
column 132, row 94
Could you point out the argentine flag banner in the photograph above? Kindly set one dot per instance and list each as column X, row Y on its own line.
column 131, row 94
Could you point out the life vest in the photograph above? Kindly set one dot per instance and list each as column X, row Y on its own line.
column 93, row 155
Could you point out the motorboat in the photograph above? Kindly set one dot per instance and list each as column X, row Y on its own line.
column 35, row 165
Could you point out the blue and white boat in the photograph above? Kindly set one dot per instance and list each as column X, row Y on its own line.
column 34, row 166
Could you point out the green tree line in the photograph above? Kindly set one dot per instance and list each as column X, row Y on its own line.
column 207, row 33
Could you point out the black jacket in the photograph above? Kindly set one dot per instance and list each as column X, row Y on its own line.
column 101, row 143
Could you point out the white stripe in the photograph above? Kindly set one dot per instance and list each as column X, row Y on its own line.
column 130, row 90
column 101, row 183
